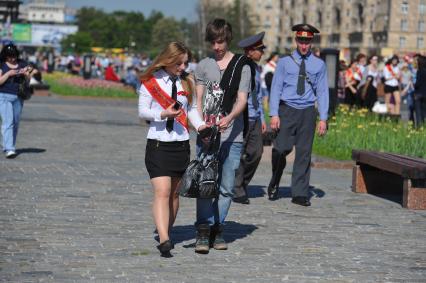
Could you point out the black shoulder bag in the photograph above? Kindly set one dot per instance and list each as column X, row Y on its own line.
column 24, row 90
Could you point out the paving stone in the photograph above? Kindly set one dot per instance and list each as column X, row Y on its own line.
column 75, row 206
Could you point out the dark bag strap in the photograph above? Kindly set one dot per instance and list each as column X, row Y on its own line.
column 308, row 80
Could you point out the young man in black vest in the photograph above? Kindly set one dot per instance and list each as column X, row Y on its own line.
column 227, row 78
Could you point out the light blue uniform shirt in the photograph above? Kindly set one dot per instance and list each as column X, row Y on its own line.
column 254, row 101
column 284, row 85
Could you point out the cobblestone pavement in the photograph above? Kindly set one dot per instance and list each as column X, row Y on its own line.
column 75, row 206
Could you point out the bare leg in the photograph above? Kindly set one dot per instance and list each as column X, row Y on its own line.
column 387, row 102
column 173, row 201
column 397, row 98
column 160, row 206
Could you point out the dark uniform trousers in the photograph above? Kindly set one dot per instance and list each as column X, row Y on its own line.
column 250, row 157
column 297, row 128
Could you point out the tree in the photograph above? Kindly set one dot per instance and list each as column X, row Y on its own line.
column 236, row 13
column 79, row 42
column 165, row 31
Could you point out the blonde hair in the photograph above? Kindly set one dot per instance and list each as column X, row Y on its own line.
column 170, row 56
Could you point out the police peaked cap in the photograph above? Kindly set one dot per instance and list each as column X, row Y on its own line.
column 304, row 31
column 254, row 41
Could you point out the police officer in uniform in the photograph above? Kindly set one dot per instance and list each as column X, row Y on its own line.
column 300, row 81
column 253, row 141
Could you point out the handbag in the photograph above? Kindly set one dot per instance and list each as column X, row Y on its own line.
column 200, row 177
column 24, row 90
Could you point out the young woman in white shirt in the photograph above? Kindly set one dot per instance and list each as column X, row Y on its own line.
column 167, row 151
column 392, row 77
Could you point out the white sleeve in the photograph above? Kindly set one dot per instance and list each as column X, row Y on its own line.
column 194, row 116
column 386, row 73
column 145, row 106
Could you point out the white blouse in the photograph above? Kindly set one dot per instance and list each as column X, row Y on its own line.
column 150, row 109
column 268, row 67
column 390, row 80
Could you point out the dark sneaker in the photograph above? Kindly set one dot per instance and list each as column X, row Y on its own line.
column 202, row 241
column 216, row 238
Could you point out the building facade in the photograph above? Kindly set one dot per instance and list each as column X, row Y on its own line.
column 369, row 26
column 9, row 10
column 44, row 11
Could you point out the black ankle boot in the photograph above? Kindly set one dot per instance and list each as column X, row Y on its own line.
column 202, row 241
column 216, row 238
column 165, row 247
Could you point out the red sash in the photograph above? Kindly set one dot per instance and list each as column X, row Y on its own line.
column 390, row 69
column 350, row 74
column 358, row 71
column 164, row 99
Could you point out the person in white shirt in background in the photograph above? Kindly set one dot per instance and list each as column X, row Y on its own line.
column 266, row 76
column 392, row 77
column 168, row 151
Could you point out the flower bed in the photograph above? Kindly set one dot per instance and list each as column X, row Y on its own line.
column 66, row 84
column 359, row 129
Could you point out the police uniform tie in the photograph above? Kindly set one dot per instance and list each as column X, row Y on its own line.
column 302, row 77
column 170, row 121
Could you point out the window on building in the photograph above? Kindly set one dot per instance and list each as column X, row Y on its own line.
column 421, row 26
column 404, row 25
column 319, row 19
column 404, row 7
column 422, row 7
column 402, row 42
column 420, row 43
column 338, row 18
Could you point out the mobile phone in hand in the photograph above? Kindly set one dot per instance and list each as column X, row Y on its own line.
column 177, row 105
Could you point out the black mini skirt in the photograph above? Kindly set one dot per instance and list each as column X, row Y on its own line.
column 391, row 89
column 166, row 158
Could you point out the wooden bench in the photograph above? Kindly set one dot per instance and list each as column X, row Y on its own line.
column 380, row 172
column 40, row 89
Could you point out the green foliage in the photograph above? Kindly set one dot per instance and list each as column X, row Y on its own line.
column 362, row 130
column 79, row 42
column 119, row 29
column 237, row 14
column 165, row 31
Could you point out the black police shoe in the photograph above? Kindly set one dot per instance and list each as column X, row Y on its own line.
column 242, row 200
column 273, row 192
column 303, row 201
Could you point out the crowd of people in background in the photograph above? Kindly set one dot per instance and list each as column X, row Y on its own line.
column 380, row 84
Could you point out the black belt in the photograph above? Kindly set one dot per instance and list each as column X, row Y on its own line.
column 169, row 143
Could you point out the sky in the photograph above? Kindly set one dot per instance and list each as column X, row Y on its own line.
column 176, row 8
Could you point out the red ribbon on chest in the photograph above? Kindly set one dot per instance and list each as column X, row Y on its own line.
column 164, row 99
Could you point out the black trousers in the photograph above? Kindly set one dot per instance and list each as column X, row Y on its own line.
column 250, row 157
column 297, row 128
